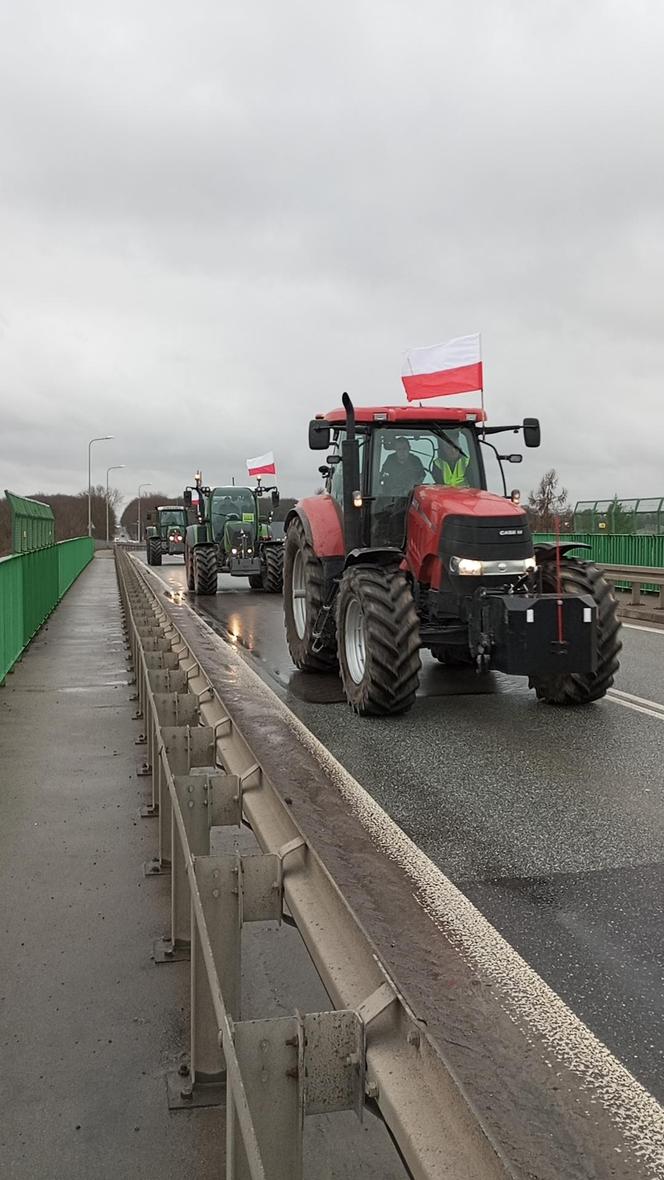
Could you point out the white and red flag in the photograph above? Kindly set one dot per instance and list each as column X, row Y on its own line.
column 262, row 465
column 443, row 369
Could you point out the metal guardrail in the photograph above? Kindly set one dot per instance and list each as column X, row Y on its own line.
column 369, row 1046
column 639, row 578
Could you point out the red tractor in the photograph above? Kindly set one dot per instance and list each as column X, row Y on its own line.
column 406, row 549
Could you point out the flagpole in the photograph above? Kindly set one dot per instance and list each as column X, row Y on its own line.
column 482, row 390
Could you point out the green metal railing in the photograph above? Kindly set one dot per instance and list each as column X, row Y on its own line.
column 617, row 548
column 31, row 586
column 33, row 523
column 637, row 517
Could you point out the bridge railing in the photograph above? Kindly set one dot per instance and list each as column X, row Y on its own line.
column 31, row 586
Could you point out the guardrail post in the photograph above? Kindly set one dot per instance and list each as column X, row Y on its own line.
column 201, row 801
column 217, row 889
column 267, row 1053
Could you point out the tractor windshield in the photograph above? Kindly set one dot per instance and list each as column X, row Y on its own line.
column 173, row 517
column 231, row 504
column 405, row 456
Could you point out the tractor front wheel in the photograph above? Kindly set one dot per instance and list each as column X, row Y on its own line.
column 272, row 561
column 580, row 688
column 256, row 581
column 303, row 599
column 378, row 637
column 205, row 570
column 154, row 551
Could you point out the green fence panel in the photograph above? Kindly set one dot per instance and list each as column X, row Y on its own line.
column 73, row 556
column 31, row 585
column 33, row 523
column 11, row 613
column 617, row 548
column 40, row 588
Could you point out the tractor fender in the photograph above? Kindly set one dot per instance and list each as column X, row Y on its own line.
column 384, row 556
column 321, row 521
column 546, row 550
column 197, row 534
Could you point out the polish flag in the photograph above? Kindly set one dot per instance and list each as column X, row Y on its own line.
column 443, row 369
column 262, row 465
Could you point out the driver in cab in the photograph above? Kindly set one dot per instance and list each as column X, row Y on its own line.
column 402, row 470
column 451, row 466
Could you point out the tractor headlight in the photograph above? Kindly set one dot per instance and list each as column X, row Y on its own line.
column 234, row 552
column 249, row 550
column 469, row 567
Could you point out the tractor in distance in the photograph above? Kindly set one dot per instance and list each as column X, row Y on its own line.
column 229, row 533
column 165, row 530
column 406, row 548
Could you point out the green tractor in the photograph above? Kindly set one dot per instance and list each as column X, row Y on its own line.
column 229, row 533
column 165, row 532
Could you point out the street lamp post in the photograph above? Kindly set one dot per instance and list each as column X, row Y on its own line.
column 115, row 467
column 100, row 438
column 138, row 530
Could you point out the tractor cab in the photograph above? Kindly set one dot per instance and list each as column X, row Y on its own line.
column 395, row 457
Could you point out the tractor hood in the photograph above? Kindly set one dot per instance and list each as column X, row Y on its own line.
column 445, row 523
column 437, row 502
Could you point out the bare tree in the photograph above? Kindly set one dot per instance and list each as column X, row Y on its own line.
column 548, row 504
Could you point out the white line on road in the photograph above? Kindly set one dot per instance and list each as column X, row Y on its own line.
column 650, row 630
column 638, row 704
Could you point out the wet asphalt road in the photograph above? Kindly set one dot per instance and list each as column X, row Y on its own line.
column 553, row 826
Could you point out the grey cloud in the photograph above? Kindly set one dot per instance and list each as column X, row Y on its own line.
column 219, row 217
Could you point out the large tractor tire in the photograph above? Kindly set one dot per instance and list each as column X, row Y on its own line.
column 256, row 581
column 273, row 569
column 378, row 637
column 205, row 570
column 154, row 551
column 303, row 599
column 580, row 688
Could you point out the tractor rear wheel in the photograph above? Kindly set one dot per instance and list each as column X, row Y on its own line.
column 272, row 561
column 378, row 636
column 154, row 551
column 303, row 600
column 205, row 570
column 580, row 688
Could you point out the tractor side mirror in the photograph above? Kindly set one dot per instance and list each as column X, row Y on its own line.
column 275, row 497
column 531, row 432
column 319, row 435
column 187, row 497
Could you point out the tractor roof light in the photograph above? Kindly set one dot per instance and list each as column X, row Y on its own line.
column 515, row 496
column 357, row 499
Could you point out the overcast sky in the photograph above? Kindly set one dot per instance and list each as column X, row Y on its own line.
column 216, row 217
